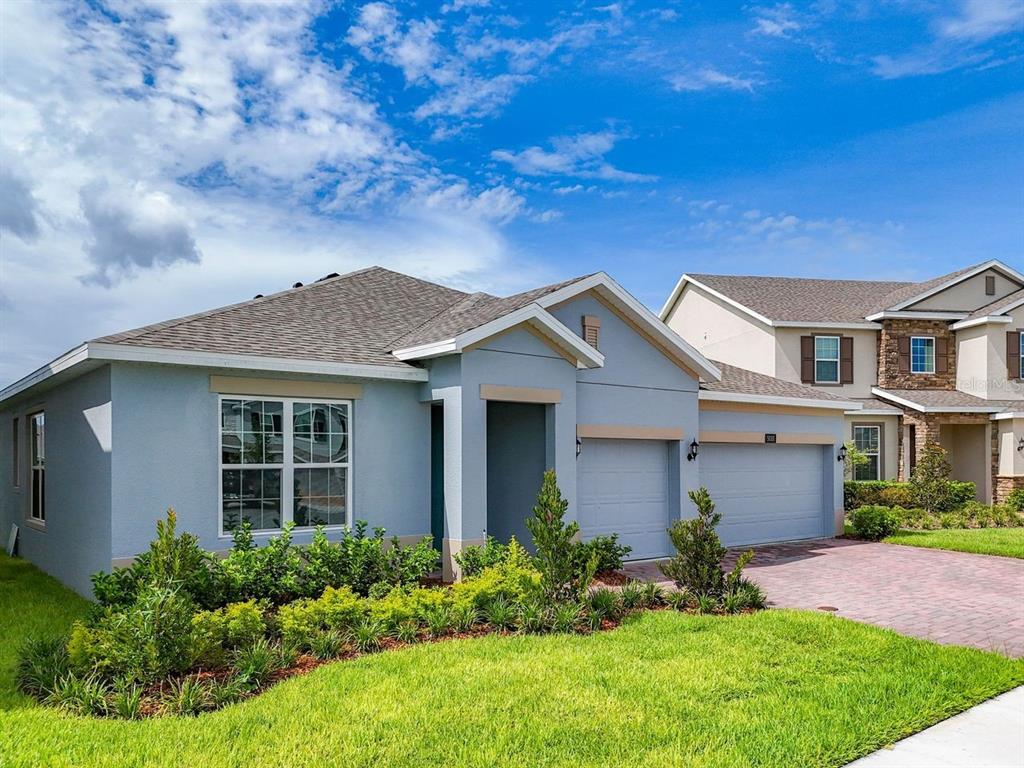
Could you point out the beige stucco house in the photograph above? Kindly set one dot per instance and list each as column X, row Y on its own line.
column 935, row 361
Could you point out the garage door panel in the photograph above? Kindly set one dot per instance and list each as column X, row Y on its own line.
column 622, row 488
column 765, row 492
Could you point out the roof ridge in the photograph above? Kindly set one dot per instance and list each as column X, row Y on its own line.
column 803, row 279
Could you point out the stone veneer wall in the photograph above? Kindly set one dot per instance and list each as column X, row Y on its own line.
column 1003, row 485
column 929, row 426
column 889, row 375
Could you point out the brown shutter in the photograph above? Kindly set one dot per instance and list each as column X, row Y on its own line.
column 941, row 356
column 846, row 359
column 807, row 359
column 903, row 345
column 1013, row 354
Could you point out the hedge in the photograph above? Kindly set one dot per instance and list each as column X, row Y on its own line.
column 891, row 493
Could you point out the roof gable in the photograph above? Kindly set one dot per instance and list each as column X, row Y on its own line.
column 917, row 293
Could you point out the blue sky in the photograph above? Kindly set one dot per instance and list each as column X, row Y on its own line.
column 162, row 158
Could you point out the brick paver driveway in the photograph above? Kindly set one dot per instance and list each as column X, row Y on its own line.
column 948, row 597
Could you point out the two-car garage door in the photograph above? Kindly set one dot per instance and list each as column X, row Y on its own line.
column 764, row 492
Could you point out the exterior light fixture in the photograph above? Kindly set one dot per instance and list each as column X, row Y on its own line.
column 1020, row 445
column 694, row 450
column 579, row 447
column 842, row 454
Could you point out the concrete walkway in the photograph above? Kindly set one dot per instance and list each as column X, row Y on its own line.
column 991, row 735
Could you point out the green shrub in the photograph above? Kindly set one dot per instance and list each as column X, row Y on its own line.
column 410, row 565
column 338, row 609
column 80, row 694
column 473, row 559
column 404, row 604
column 896, row 495
column 531, row 617
column 464, row 616
column 653, row 595
column 930, row 480
column 606, row 603
column 566, row 617
column 438, row 621
column 215, row 633
column 563, row 577
column 187, row 697
column 256, row 663
column 367, row 636
column 327, row 644
column 606, row 549
column 874, row 523
column 41, row 663
column 126, row 702
column 1015, row 500
column 632, row 595
column 272, row 572
column 514, row 579
column 227, row 691
column 500, row 613
column 697, row 564
column 407, row 632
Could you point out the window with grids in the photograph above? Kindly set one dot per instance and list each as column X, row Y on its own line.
column 284, row 461
column 867, row 440
column 922, row 354
column 826, row 359
column 1022, row 355
column 37, row 491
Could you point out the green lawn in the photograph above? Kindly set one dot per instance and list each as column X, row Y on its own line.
column 776, row 688
column 1007, row 542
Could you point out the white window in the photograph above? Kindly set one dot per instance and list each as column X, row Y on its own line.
column 284, row 460
column 826, row 359
column 37, row 492
column 922, row 354
column 867, row 440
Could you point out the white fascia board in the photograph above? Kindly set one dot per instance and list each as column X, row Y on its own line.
column 890, row 314
column 652, row 322
column 797, row 402
column 1008, row 415
column 991, row 264
column 874, row 412
column 864, row 326
column 717, row 294
column 69, row 359
column 964, row 324
column 935, row 408
column 586, row 355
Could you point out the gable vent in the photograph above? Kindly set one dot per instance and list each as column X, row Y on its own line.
column 990, row 285
column 592, row 330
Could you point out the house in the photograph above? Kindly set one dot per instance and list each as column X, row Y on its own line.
column 425, row 410
column 932, row 362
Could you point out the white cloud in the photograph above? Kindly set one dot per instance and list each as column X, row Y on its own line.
column 983, row 19
column 708, row 77
column 568, row 189
column 18, row 207
column 779, row 21
column 582, row 155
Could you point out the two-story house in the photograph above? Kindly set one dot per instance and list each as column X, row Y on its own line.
column 938, row 361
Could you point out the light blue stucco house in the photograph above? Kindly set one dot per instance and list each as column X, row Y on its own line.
column 430, row 412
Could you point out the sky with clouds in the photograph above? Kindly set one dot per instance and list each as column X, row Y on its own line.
column 159, row 158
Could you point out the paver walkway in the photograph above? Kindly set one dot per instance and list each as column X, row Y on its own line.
column 949, row 597
column 990, row 735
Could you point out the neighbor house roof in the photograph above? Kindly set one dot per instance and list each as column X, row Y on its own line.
column 749, row 386
column 942, row 400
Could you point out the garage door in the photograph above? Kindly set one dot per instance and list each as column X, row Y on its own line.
column 622, row 487
column 765, row 492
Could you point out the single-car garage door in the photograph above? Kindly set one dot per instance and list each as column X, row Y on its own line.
column 622, row 487
column 765, row 492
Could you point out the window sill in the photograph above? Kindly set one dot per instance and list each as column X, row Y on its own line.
column 228, row 536
column 35, row 525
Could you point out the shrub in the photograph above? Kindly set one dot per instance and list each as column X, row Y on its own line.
column 464, row 616
column 255, row 663
column 407, row 632
column 653, row 595
column 227, row 691
column 410, row 565
column 214, row 633
column 126, row 702
column 1015, row 500
column 301, row 620
column 696, row 565
column 531, row 617
column 607, row 551
column 367, row 636
column 930, row 480
column 42, row 662
column 188, row 697
column 272, row 572
column 473, row 559
column 748, row 595
column 327, row 644
column 874, row 523
column 500, row 613
column 563, row 579
column 632, row 595
column 606, row 603
column 403, row 604
column 514, row 579
column 80, row 694
column 565, row 617
column 438, row 621
column 896, row 495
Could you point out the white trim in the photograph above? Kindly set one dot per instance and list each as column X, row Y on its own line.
column 964, row 324
column 287, row 467
column 108, row 352
column 797, row 402
column 876, row 412
column 828, row 326
column 935, row 408
column 1008, row 415
column 534, row 314
column 991, row 264
column 889, row 314
column 663, row 315
column 838, row 359
column 878, row 451
column 658, row 328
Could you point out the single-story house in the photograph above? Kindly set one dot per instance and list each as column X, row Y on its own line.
column 425, row 410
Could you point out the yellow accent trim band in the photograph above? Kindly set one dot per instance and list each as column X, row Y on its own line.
column 244, row 385
column 781, row 438
column 789, row 410
column 520, row 394
column 628, row 432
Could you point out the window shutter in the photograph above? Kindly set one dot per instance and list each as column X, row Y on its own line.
column 807, row 359
column 846, row 359
column 990, row 285
column 592, row 330
column 1013, row 354
column 941, row 355
column 903, row 345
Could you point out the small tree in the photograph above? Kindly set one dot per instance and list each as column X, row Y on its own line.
column 562, row 578
column 854, row 458
column 930, row 479
column 697, row 565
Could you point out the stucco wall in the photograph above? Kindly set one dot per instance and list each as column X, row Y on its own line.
column 890, row 440
column 865, row 359
column 77, row 536
column 722, row 332
column 166, row 421
column 1011, row 461
column 968, row 446
column 981, row 360
column 968, row 295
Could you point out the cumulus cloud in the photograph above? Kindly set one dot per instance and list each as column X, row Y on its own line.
column 984, row 19
column 706, row 78
column 581, row 155
column 131, row 230
column 18, row 208
column 778, row 21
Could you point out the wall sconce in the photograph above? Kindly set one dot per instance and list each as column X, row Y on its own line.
column 579, row 447
column 694, row 450
column 1020, row 445
column 842, row 454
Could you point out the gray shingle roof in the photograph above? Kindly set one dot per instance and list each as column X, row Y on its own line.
column 951, row 399
column 996, row 306
column 799, row 299
column 346, row 319
column 875, row 404
column 741, row 381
